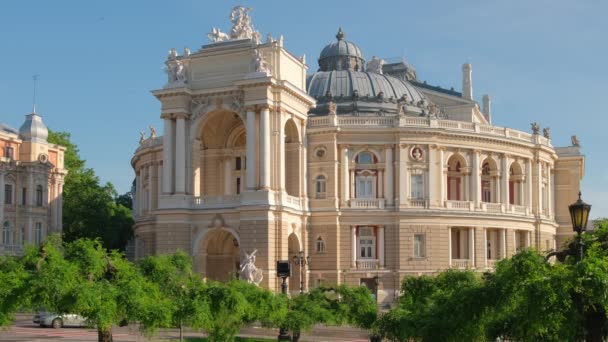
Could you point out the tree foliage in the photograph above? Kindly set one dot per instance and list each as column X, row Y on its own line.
column 526, row 298
column 90, row 209
column 83, row 278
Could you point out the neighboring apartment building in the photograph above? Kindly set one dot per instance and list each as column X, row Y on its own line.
column 372, row 173
column 31, row 177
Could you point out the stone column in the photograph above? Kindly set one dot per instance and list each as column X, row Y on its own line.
column 138, row 187
column 472, row 247
column 528, row 193
column 539, row 187
column 485, row 248
column 389, row 185
column 2, row 199
column 503, row 243
column 180, row 154
column 167, row 154
column 449, row 246
column 159, row 183
column 228, row 176
column 345, row 178
column 352, row 182
column 381, row 246
column 442, row 178
column 251, row 151
column 265, row 149
column 31, row 192
column 149, row 169
column 549, row 192
column 504, row 181
column 353, row 233
column 476, row 180
column 381, row 193
column 402, row 175
column 434, row 172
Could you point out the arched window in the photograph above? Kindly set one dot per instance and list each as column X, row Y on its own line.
column 486, row 183
column 320, row 245
column 320, row 186
column 455, row 179
column 6, row 233
column 39, row 193
column 365, row 158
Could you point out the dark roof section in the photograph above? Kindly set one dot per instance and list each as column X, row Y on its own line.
column 438, row 89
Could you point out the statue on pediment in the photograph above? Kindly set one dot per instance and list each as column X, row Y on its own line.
column 547, row 132
column 535, row 128
column 242, row 28
column 575, row 141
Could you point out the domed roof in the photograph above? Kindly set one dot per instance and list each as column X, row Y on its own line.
column 33, row 129
column 367, row 91
column 341, row 55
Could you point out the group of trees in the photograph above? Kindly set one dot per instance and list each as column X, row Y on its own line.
column 91, row 209
column 527, row 298
column 84, row 278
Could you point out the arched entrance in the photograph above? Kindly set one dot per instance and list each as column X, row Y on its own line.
column 219, row 255
column 292, row 250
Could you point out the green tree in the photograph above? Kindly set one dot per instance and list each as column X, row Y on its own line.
column 90, row 209
column 13, row 281
column 83, row 278
column 184, row 290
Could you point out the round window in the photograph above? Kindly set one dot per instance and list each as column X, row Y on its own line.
column 320, row 152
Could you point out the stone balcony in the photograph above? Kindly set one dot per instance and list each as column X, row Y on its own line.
column 462, row 263
column 216, row 201
column 368, row 264
column 367, row 203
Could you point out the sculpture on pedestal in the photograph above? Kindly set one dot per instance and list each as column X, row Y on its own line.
column 242, row 28
column 176, row 74
column 259, row 64
column 249, row 272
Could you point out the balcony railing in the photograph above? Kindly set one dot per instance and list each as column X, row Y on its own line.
column 367, row 203
column 405, row 121
column 216, row 200
column 492, row 207
column 462, row 263
column 458, row 205
column 367, row 264
column 293, row 202
column 418, row 203
column 519, row 209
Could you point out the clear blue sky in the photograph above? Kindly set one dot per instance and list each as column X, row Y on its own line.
column 540, row 60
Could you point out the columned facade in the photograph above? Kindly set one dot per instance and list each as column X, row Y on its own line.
column 374, row 175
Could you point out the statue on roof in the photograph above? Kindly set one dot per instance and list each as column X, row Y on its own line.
column 152, row 132
column 176, row 74
column 259, row 64
column 142, row 137
column 547, row 132
column 575, row 141
column 242, row 28
column 375, row 65
column 535, row 128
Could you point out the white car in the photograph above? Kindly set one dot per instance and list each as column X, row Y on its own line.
column 50, row 319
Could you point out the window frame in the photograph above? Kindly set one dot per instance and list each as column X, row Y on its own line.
column 320, row 184
column 419, row 246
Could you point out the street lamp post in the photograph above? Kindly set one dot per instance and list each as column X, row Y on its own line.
column 283, row 271
column 301, row 260
column 579, row 213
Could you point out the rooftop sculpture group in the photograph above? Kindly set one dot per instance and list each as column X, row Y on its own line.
column 242, row 28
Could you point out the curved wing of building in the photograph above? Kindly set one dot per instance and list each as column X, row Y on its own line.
column 371, row 173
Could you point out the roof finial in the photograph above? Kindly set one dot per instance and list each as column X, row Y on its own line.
column 35, row 78
column 340, row 34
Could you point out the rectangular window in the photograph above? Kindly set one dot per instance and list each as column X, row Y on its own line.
column 40, row 197
column 486, row 193
column 417, row 187
column 320, row 186
column 38, row 233
column 365, row 186
column 367, row 243
column 9, row 152
column 419, row 246
column 238, row 185
column 238, row 164
column 8, row 194
column 23, row 196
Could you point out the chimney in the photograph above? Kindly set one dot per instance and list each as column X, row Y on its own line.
column 487, row 111
column 467, row 82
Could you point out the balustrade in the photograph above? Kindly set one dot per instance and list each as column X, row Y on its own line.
column 367, row 264
column 367, row 203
